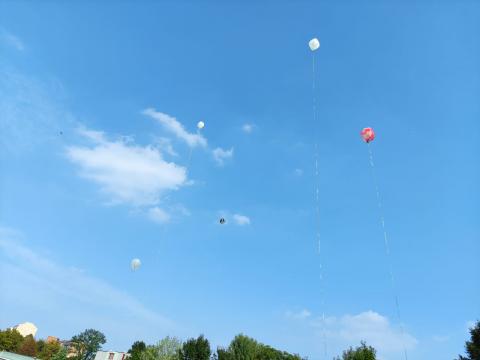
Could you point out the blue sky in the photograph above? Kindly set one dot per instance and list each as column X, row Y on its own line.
column 101, row 162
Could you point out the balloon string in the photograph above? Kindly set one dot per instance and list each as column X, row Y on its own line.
column 317, row 208
column 387, row 247
column 190, row 157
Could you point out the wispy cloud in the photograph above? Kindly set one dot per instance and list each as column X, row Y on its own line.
column 220, row 155
column 247, row 128
column 93, row 135
column 347, row 330
column 159, row 215
column 31, row 111
column 165, row 144
column 372, row 327
column 234, row 218
column 127, row 173
column 68, row 293
column 300, row 315
column 33, row 114
column 241, row 219
column 11, row 40
column 174, row 126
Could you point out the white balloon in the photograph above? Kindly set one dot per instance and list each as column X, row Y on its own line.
column 135, row 264
column 201, row 125
column 314, row 44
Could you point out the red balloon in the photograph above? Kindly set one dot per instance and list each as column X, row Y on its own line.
column 367, row 134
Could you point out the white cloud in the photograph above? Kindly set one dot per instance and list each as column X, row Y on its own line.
column 241, row 219
column 370, row 326
column 12, row 40
column 167, row 215
column 93, row 135
column 33, row 115
column 165, row 144
column 247, row 128
column 69, row 293
column 349, row 330
column 158, row 215
column 174, row 126
column 220, row 155
column 236, row 219
column 128, row 173
column 301, row 315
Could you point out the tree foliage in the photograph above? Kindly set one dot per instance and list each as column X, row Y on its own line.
column 87, row 343
column 48, row 350
column 28, row 346
column 60, row 355
column 137, row 350
column 472, row 347
column 195, row 349
column 166, row 349
column 244, row 348
column 362, row 352
column 10, row 340
column 40, row 346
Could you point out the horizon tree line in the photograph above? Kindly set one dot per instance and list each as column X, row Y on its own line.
column 85, row 345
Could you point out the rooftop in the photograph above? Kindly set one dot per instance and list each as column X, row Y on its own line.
column 5, row 355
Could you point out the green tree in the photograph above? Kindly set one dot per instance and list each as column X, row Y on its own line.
column 61, row 354
column 137, row 350
column 195, row 349
column 245, row 348
column 362, row 352
column 40, row 346
column 10, row 340
column 28, row 346
column 166, row 349
column 472, row 347
column 223, row 354
column 266, row 352
column 87, row 343
column 49, row 349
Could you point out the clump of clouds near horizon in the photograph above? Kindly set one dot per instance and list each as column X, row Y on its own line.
column 345, row 330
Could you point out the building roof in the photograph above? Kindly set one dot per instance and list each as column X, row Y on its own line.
column 5, row 355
